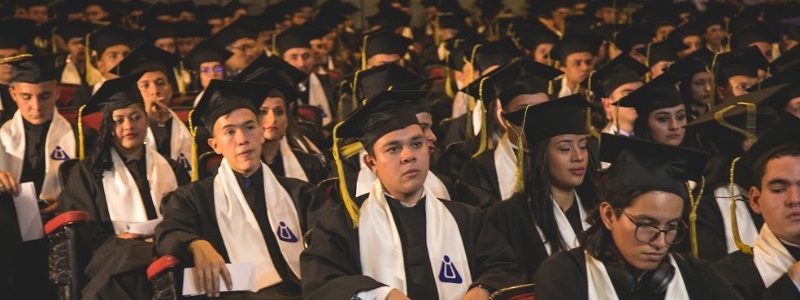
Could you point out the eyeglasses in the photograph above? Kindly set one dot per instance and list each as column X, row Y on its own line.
column 645, row 233
column 217, row 69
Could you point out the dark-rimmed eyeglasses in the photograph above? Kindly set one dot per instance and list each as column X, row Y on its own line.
column 645, row 233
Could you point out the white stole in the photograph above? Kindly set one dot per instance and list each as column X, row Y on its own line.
column 318, row 98
column 601, row 288
column 378, row 234
column 770, row 256
column 180, row 142
column 243, row 238
column 564, row 227
column 366, row 178
column 291, row 166
column 460, row 103
column 505, row 165
column 477, row 117
column 70, row 75
column 59, row 146
column 122, row 194
column 747, row 228
column 197, row 98
column 98, row 84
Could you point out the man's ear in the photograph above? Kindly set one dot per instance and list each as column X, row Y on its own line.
column 212, row 142
column 755, row 195
column 607, row 215
column 369, row 160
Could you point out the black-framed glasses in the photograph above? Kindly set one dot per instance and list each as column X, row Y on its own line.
column 645, row 233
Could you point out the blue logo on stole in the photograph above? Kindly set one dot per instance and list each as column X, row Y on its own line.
column 59, row 154
column 448, row 272
column 285, row 234
column 184, row 162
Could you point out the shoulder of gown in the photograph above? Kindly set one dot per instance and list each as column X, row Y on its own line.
column 562, row 276
column 477, row 183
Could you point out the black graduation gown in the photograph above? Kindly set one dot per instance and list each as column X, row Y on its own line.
column 455, row 130
column 331, row 88
column 163, row 137
column 477, row 183
column 711, row 232
column 331, row 265
column 454, row 157
column 513, row 221
column 115, row 266
column 563, row 276
column 189, row 214
column 9, row 106
column 311, row 165
column 738, row 270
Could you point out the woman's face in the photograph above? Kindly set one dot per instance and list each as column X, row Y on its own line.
column 540, row 53
column 655, row 208
column 667, row 125
column 701, row 88
column 568, row 158
column 130, row 126
column 273, row 118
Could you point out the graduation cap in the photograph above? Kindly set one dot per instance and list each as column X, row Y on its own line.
column 661, row 51
column 570, row 45
column 656, row 94
column 495, row 53
column 147, row 58
column 206, row 51
column 451, row 20
column 368, row 83
column 385, row 112
column 521, row 77
column 781, row 135
column 233, row 33
column 567, row 115
column 338, row 7
column 757, row 32
column 294, row 37
column 158, row 30
column 630, row 37
column 696, row 62
column 33, row 69
column 687, row 30
column 221, row 97
column 276, row 81
column 290, row 74
column 621, row 70
column 210, row 12
column 743, row 62
column 792, row 28
column 532, row 33
column 74, row 29
column 389, row 19
column 186, row 29
column 109, row 36
column 641, row 165
column 785, row 61
column 385, row 42
column 460, row 52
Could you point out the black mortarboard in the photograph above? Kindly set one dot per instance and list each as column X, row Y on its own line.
column 570, row 45
column 276, row 79
column 785, row 61
column 146, row 58
column 115, row 94
column 640, row 165
column 210, row 12
column 294, row 37
column 698, row 61
column 258, row 23
column 34, row 69
column 186, row 28
column 386, row 42
column 206, row 51
column 757, row 32
column 792, row 28
column 532, row 33
column 784, row 133
column 460, row 52
column 687, row 30
column 452, row 20
column 371, row 82
column 291, row 74
column 19, row 31
column 389, row 19
column 565, row 115
column 74, row 29
column 656, row 94
column 661, row 51
column 233, row 33
column 628, row 38
column 106, row 37
column 386, row 112
column 221, row 97
column 158, row 30
column 621, row 70
column 496, row 53
column 790, row 75
column 744, row 62
column 521, row 77
column 338, row 6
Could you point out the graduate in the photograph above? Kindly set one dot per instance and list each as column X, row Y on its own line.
column 401, row 241
column 109, row 46
column 207, row 61
column 120, row 185
column 771, row 268
column 383, row 47
column 293, row 46
column 726, row 180
column 73, row 35
column 243, row 214
column 576, row 60
column 33, row 144
column 557, row 184
column 659, row 56
column 240, row 41
column 491, row 176
column 620, row 77
column 661, row 112
column 166, row 132
column 626, row 253
column 737, row 71
column 696, row 85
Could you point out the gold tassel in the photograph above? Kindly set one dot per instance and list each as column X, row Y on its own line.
column 713, row 79
column 81, row 146
column 351, row 149
column 589, row 127
column 694, row 201
column 519, row 180
column 483, row 133
column 53, row 45
column 750, row 127
column 550, row 87
column 354, row 88
column 364, row 52
column 349, row 204
column 734, row 224
column 647, row 64
column 195, row 160
column 181, row 84
column 88, row 62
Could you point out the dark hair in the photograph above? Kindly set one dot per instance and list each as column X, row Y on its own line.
column 101, row 155
column 760, row 166
column 538, row 185
column 597, row 239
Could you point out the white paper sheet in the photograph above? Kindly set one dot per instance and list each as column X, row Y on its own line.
column 242, row 276
column 144, row 228
column 27, row 206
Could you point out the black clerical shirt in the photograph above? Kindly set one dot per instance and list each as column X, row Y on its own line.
column 411, row 226
column 162, row 134
column 138, row 169
column 33, row 166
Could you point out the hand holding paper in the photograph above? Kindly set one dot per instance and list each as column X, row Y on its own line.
column 27, row 206
column 242, row 279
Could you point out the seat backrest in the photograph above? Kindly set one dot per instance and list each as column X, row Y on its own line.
column 310, row 113
column 183, row 113
column 518, row 292
column 66, row 92
column 208, row 164
column 64, row 170
column 328, row 186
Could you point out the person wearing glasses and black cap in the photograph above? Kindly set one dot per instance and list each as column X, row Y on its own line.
column 625, row 254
